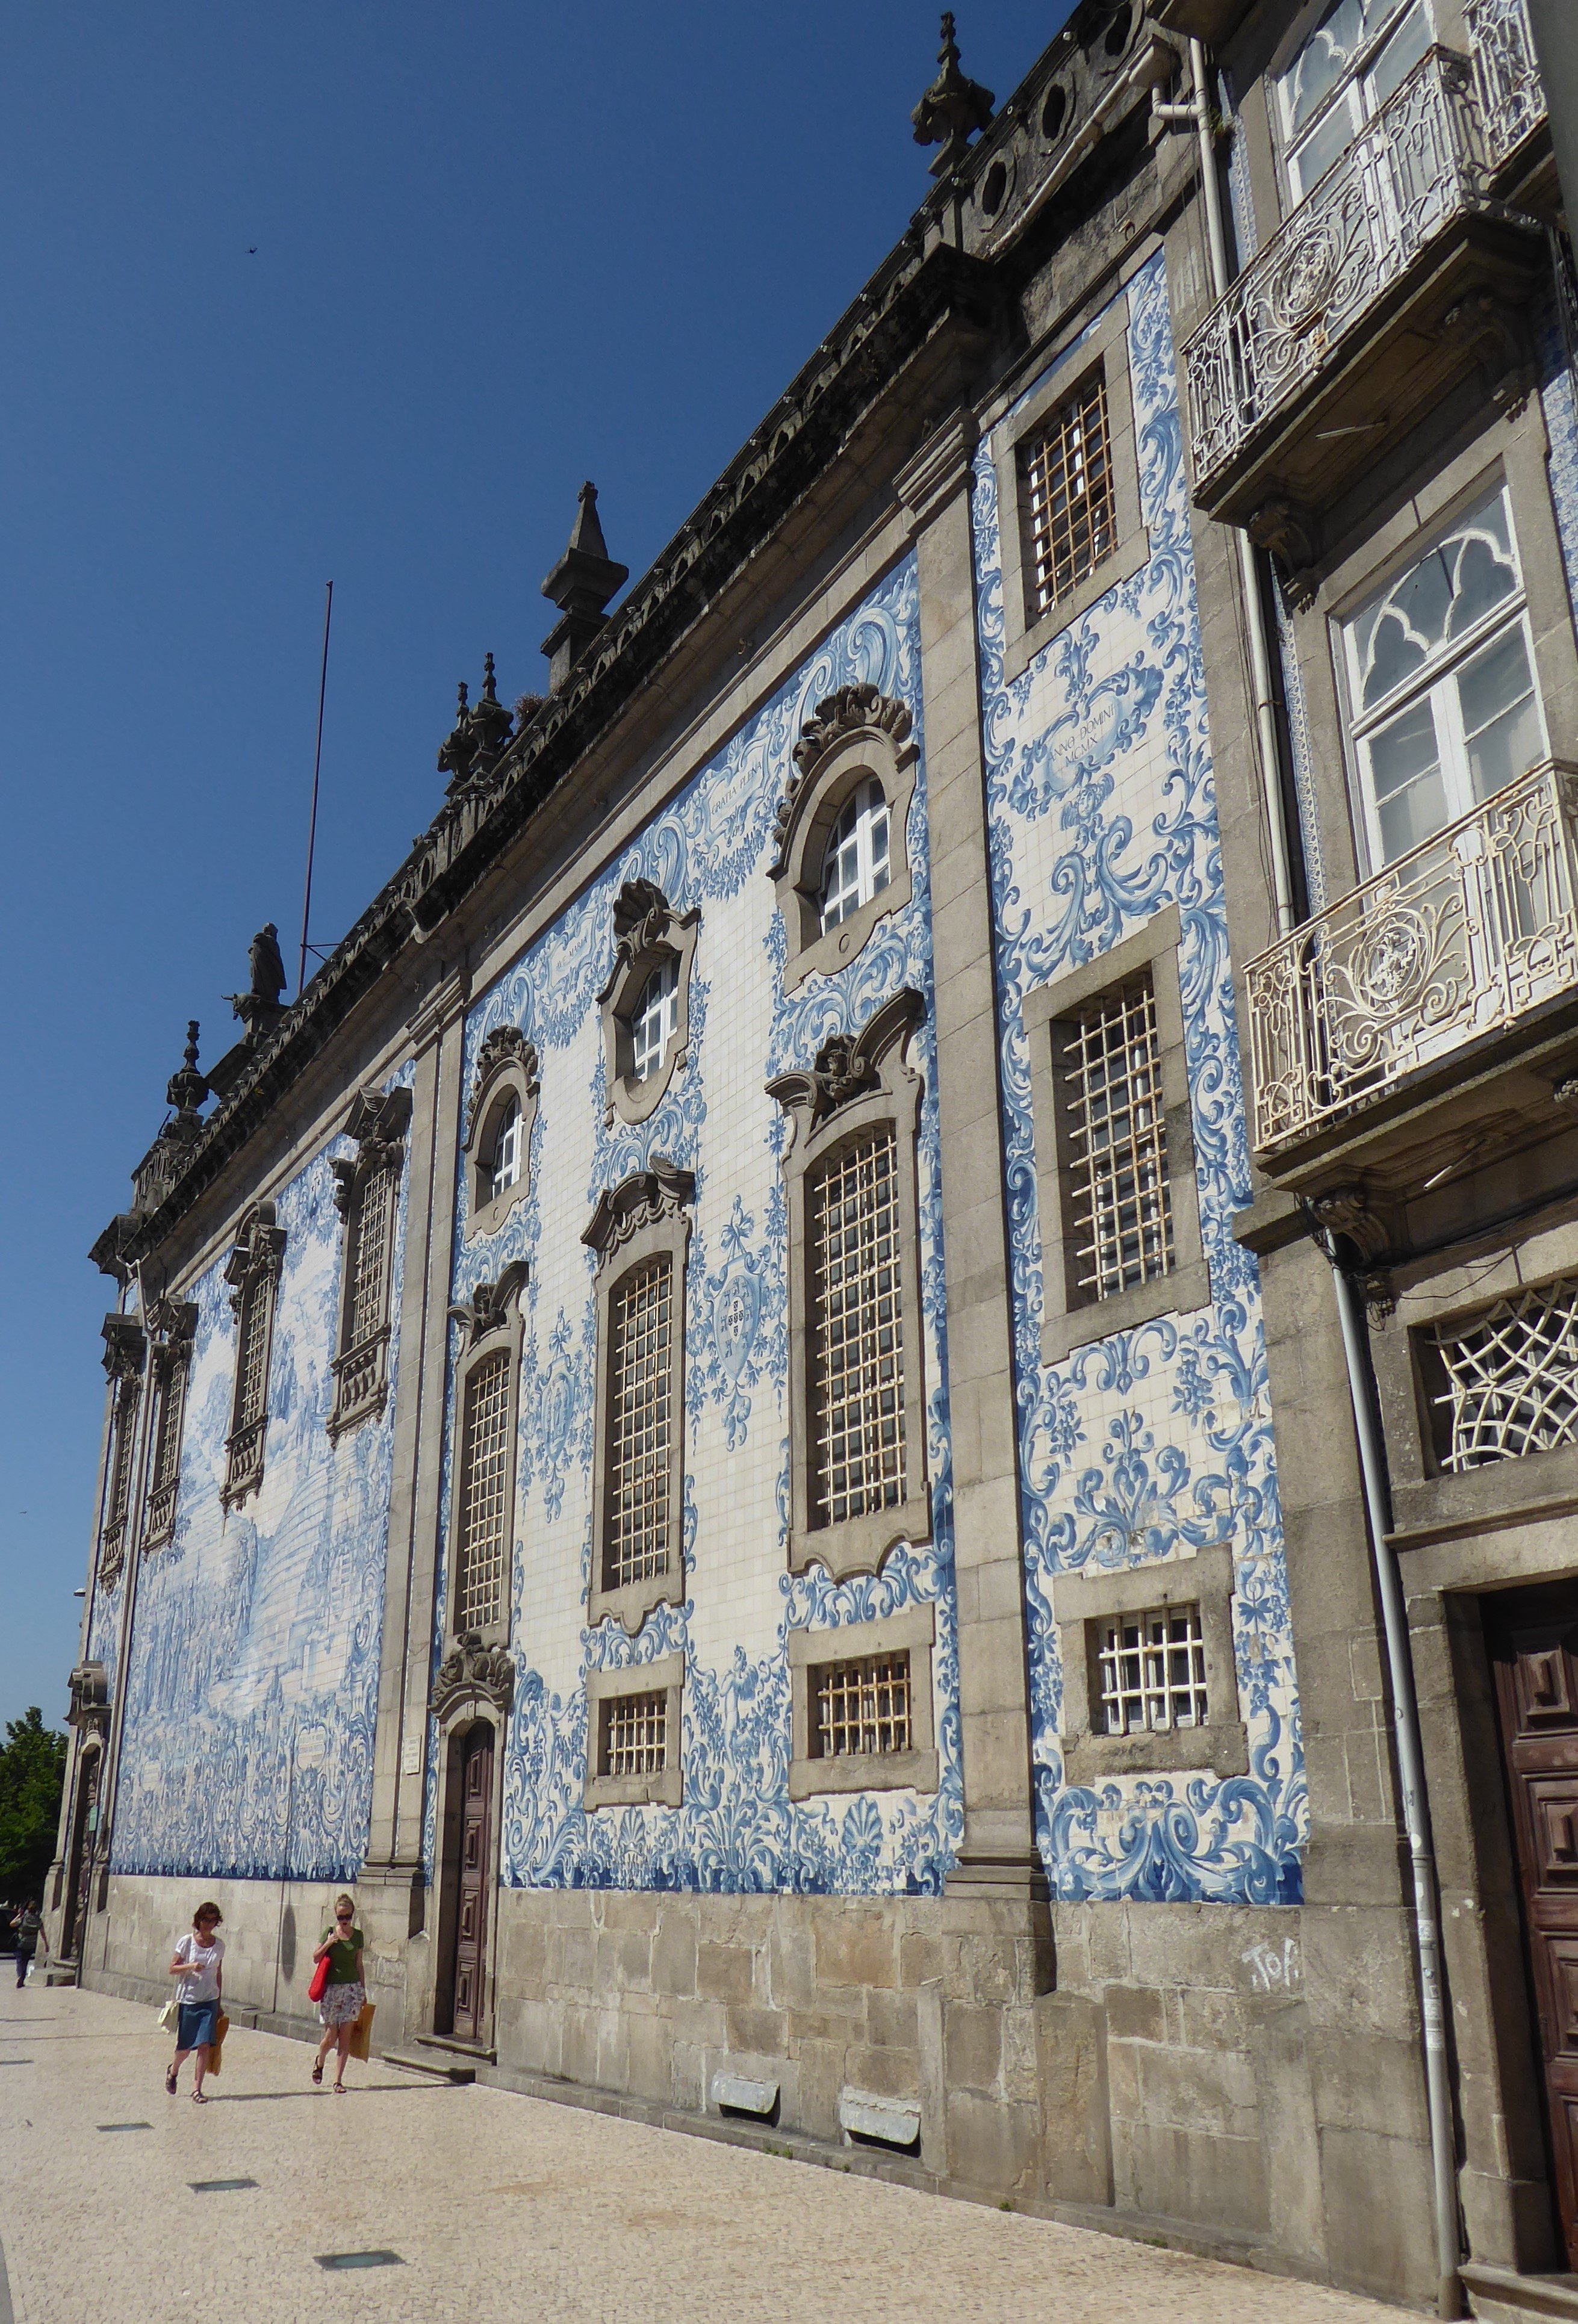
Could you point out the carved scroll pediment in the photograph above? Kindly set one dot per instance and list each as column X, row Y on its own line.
column 378, row 1122
column 644, row 924
column 848, row 711
column 646, row 1198
column 124, row 1343
column 258, row 1250
column 491, row 1305
column 848, row 1065
column 473, row 1673
column 90, row 1691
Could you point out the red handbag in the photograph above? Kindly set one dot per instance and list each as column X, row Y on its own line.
column 319, row 1980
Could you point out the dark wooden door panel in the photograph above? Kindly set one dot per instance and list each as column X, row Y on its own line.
column 1533, row 1636
column 473, row 1882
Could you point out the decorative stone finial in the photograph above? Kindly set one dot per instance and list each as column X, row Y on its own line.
column 580, row 586
column 458, row 748
column 953, row 107
column 187, row 1088
column 490, row 721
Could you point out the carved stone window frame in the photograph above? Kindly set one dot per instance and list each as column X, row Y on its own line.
column 912, row 1631
column 125, row 1348
column 506, row 1067
column 1071, row 1318
column 253, row 1270
column 491, row 1320
column 854, row 734
column 1081, row 1602
column 647, row 932
column 647, row 1216
column 378, row 1122
column 1025, row 630
column 663, row 1786
column 173, row 1323
column 856, row 1085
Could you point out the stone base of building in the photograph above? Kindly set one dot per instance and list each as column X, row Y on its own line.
column 1156, row 2069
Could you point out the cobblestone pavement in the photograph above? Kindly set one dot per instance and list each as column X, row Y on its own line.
column 497, row 2205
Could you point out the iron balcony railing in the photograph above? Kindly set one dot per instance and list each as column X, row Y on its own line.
column 1459, row 939
column 1512, row 99
column 1424, row 163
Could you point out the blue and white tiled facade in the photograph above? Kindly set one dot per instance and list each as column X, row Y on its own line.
column 1153, row 1443
column 708, row 850
column 252, row 1688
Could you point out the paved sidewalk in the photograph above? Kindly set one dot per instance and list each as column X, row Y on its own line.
column 497, row 2205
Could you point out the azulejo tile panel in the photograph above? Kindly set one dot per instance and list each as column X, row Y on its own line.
column 1152, row 1444
column 253, row 1676
column 708, row 849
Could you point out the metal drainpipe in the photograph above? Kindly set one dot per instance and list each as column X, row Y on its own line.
column 1393, row 1617
column 1449, row 2297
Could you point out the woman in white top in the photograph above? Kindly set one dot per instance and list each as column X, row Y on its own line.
column 197, row 1962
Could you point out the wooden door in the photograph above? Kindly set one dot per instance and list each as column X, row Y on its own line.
column 473, row 1882
column 1533, row 1636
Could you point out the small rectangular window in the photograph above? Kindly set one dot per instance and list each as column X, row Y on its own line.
column 1070, row 509
column 1115, row 1141
column 1151, row 1670
column 634, row 1734
column 1504, row 1380
column 857, row 1330
column 164, row 1470
column 120, row 1479
column 862, row 1705
column 251, row 1367
column 485, row 1495
column 640, row 1424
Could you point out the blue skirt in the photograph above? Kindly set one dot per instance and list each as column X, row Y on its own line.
column 195, row 2025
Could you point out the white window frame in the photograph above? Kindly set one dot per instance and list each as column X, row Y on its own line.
column 655, row 1019
column 1354, row 91
column 852, row 854
column 1435, row 681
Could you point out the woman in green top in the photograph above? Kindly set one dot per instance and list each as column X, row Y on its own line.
column 345, row 1993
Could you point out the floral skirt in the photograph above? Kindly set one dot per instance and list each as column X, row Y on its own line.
column 341, row 2003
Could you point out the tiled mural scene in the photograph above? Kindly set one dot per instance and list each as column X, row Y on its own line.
column 885, row 1447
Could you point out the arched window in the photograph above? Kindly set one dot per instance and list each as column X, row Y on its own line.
column 500, row 1122
column 855, row 867
column 508, row 1145
column 654, row 1019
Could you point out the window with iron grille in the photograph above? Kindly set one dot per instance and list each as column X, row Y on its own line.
column 485, row 1488
column 252, row 1386
column 640, row 1424
column 1070, row 507
column 862, row 1705
column 1151, row 1670
column 164, row 1467
column 1504, row 1381
column 120, row 1477
column 369, row 1257
column 853, row 1227
column 1115, row 1161
column 634, row 1734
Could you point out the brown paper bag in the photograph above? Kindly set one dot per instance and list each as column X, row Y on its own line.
column 362, row 2033
column 221, row 2027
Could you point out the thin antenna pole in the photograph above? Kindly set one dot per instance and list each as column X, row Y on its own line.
column 316, row 762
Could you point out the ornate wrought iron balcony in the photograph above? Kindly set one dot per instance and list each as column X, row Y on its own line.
column 1399, row 269
column 1457, row 941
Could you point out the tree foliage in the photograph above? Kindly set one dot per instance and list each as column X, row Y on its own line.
column 33, row 1769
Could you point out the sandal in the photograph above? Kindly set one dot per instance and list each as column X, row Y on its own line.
column 317, row 2070
column 170, row 2082
column 198, row 2098
column 339, row 2090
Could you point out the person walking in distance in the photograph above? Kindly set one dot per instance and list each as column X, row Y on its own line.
column 345, row 1993
column 27, row 1923
column 198, row 1963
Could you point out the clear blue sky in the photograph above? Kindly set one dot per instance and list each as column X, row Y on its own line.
column 498, row 248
